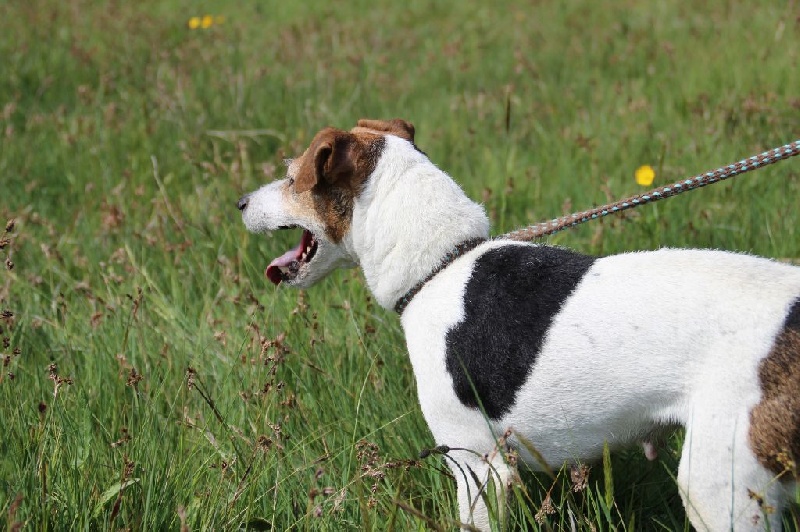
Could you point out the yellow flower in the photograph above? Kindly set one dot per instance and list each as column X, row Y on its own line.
column 207, row 21
column 644, row 175
column 194, row 23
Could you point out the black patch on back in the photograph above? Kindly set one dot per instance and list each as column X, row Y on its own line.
column 509, row 303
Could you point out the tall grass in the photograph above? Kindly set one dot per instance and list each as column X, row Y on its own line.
column 153, row 379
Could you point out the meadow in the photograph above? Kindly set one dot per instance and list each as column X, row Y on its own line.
column 153, row 379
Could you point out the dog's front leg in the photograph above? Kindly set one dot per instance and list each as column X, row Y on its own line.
column 483, row 483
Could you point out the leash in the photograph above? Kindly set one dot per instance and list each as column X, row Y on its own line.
column 724, row 172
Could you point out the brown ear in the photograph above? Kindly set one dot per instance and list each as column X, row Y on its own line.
column 327, row 159
column 396, row 126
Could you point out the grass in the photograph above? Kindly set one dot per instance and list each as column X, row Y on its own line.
column 153, row 379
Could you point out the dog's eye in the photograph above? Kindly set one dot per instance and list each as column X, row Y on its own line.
column 291, row 181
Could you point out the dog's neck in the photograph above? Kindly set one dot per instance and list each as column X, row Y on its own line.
column 461, row 249
column 409, row 216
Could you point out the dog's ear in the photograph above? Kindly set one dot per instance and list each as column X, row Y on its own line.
column 327, row 159
column 396, row 126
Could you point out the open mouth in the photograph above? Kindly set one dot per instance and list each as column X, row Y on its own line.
column 288, row 266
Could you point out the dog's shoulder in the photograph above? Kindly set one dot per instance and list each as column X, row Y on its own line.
column 510, row 299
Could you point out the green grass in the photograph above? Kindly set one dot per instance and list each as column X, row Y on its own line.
column 126, row 139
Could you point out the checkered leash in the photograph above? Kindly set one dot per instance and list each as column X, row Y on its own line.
column 745, row 165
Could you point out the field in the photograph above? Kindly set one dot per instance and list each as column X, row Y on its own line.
column 152, row 379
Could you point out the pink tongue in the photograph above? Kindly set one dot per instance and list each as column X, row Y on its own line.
column 273, row 273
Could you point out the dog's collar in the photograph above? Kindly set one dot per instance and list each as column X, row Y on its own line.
column 459, row 250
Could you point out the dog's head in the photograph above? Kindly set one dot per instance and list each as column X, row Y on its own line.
column 318, row 196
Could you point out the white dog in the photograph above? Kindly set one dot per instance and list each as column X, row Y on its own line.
column 566, row 350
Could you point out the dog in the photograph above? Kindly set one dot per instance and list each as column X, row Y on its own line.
column 554, row 352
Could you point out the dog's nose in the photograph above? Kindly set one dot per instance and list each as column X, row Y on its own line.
column 242, row 203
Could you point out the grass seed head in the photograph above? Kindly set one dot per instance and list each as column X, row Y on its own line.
column 579, row 475
column 264, row 443
column 125, row 438
column 57, row 379
column 129, row 468
column 546, row 509
column 785, row 459
column 134, row 378
column 191, row 374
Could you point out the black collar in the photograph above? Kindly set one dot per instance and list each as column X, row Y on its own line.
column 459, row 250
